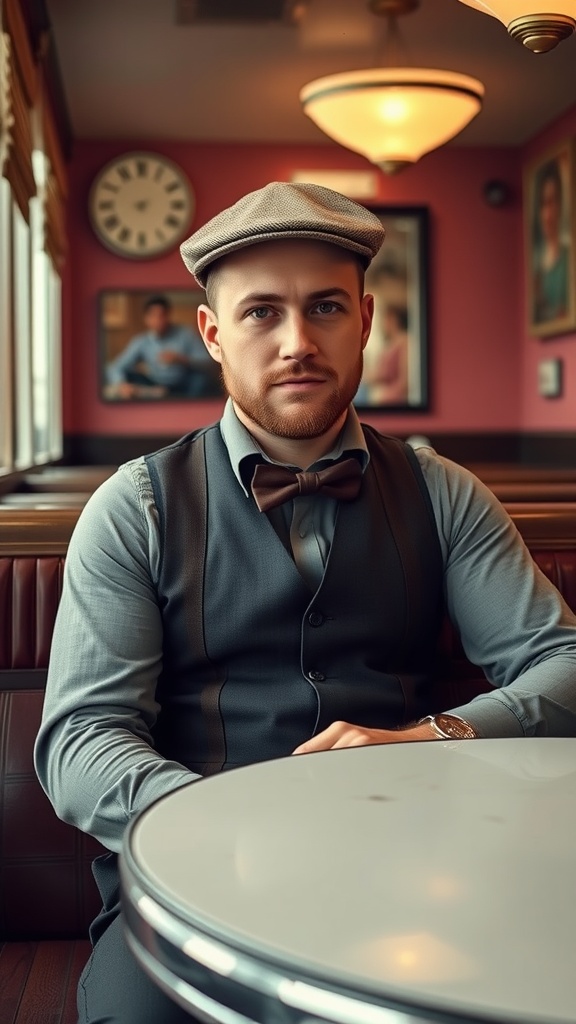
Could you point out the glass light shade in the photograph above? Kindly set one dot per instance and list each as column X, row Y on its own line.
column 539, row 24
column 393, row 116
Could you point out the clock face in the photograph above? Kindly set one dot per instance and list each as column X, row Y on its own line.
column 141, row 205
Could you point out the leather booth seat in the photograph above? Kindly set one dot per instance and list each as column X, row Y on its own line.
column 47, row 894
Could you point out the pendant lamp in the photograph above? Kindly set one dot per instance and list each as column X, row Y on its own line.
column 539, row 24
column 392, row 115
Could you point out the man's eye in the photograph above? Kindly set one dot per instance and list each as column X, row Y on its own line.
column 260, row 313
column 326, row 307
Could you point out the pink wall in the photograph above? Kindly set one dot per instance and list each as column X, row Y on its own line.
column 539, row 413
column 475, row 280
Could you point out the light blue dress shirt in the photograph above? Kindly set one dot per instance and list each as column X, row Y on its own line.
column 146, row 348
column 94, row 755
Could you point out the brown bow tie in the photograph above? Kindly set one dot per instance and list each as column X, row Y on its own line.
column 273, row 485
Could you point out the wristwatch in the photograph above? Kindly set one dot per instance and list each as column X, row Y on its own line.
column 450, row 727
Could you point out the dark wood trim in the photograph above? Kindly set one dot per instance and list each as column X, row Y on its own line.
column 36, row 531
column 548, row 449
column 110, row 450
column 22, row 679
column 10, row 482
column 545, row 526
column 545, row 449
column 477, row 447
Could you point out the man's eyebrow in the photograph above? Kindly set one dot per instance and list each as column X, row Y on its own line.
column 323, row 293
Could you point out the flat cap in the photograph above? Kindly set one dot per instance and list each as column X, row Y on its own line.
column 284, row 210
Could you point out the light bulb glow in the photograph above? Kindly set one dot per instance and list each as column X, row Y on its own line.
column 393, row 114
column 394, row 109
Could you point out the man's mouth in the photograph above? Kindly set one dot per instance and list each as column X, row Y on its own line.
column 291, row 381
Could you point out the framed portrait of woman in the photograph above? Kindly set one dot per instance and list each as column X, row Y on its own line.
column 549, row 204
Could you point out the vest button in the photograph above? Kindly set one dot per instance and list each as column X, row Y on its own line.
column 315, row 619
column 316, row 677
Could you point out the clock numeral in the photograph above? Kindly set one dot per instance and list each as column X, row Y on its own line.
column 106, row 204
column 177, row 204
column 173, row 186
column 141, row 239
column 111, row 222
column 124, row 173
column 124, row 235
column 109, row 186
column 159, row 172
column 142, row 168
column 171, row 221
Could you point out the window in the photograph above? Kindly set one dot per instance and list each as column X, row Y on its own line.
column 6, row 391
column 32, row 187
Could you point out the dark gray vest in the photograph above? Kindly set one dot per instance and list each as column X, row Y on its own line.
column 254, row 662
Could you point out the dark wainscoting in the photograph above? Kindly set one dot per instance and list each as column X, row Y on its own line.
column 548, row 449
column 534, row 449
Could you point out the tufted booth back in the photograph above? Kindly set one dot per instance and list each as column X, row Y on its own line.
column 30, row 589
column 46, row 886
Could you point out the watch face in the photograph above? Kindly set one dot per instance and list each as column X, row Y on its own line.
column 454, row 727
column 140, row 205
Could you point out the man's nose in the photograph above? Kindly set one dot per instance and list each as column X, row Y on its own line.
column 297, row 339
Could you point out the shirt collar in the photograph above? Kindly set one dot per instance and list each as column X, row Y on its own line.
column 244, row 451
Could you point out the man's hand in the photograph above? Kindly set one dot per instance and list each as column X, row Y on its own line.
column 343, row 734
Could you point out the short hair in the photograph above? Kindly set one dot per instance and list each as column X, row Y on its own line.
column 158, row 300
column 211, row 284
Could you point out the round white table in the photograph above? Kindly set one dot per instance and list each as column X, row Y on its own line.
column 374, row 885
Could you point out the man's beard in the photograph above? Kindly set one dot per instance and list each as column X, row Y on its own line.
column 307, row 417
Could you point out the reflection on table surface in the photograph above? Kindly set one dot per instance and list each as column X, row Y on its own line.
column 437, row 875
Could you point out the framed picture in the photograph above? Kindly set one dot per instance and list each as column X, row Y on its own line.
column 150, row 348
column 395, row 373
column 550, row 378
column 549, row 203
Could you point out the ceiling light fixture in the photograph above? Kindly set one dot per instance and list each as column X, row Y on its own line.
column 392, row 115
column 537, row 24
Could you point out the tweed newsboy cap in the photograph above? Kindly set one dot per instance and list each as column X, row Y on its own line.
column 284, row 210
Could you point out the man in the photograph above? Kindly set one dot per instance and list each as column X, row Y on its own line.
column 166, row 355
column 218, row 609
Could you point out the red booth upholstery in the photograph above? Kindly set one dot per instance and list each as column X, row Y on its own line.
column 47, row 894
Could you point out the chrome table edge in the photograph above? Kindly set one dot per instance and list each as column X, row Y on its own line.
column 218, row 982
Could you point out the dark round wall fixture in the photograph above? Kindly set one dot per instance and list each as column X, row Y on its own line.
column 496, row 193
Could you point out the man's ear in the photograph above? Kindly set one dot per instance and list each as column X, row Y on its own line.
column 367, row 311
column 208, row 327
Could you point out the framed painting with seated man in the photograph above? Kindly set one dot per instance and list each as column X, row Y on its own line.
column 151, row 349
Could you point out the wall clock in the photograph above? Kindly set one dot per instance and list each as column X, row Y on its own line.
column 141, row 205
